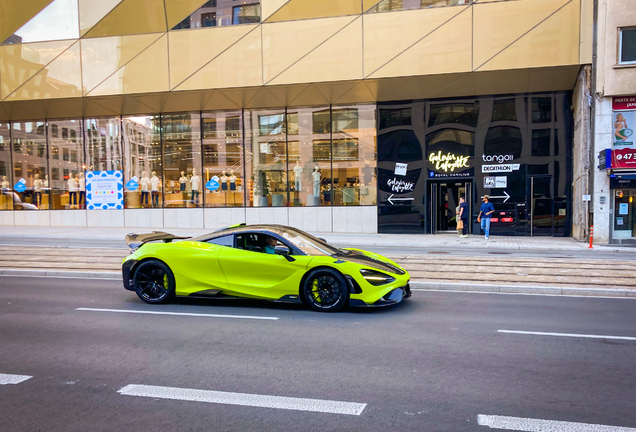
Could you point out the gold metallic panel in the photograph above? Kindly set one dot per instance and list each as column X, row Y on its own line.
column 501, row 82
column 554, row 42
column 303, row 9
column 587, row 27
column 288, row 93
column 497, row 25
column 553, row 79
column 446, row 48
column 239, row 66
column 101, row 57
column 15, row 14
column 368, row 4
column 361, row 93
column 186, row 101
column 309, row 97
column 190, row 50
column 332, row 91
column 395, row 88
column 132, row 17
column 218, row 101
column 447, row 85
column 339, row 58
column 147, row 72
column 20, row 62
column 178, row 10
column 287, row 42
column 92, row 11
column 268, row 7
column 59, row 79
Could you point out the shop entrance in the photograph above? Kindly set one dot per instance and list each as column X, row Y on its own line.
column 443, row 202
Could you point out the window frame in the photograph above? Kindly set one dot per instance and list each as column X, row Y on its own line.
column 620, row 46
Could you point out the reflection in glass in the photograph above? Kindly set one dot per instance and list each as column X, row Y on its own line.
column 6, row 197
column 182, row 160
column 223, row 159
column 30, row 166
column 459, row 113
column 142, row 152
column 390, row 5
column 542, row 110
column 222, row 13
column 57, row 21
column 68, row 184
column 505, row 109
column 266, row 154
column 541, row 142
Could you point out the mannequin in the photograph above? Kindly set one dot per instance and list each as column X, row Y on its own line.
column 154, row 188
column 72, row 190
column 298, row 179
column 183, row 181
column 224, row 181
column 82, row 190
column 316, row 176
column 145, row 183
column 37, row 190
column 232, row 181
column 5, row 184
column 46, row 182
column 196, row 182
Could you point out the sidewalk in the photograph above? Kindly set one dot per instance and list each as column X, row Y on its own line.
column 385, row 240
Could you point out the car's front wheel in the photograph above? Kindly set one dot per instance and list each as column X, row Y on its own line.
column 154, row 282
column 325, row 290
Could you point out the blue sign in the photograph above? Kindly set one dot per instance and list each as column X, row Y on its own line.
column 212, row 185
column 104, row 190
column 20, row 187
column 132, row 185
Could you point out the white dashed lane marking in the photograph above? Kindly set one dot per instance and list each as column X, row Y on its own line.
column 538, row 425
column 178, row 314
column 244, row 399
column 574, row 335
column 13, row 379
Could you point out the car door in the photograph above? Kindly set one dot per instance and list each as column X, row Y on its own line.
column 252, row 272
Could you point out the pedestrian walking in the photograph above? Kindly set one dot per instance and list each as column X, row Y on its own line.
column 485, row 213
column 458, row 220
column 463, row 216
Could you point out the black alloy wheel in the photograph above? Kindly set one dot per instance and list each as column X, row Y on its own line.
column 325, row 290
column 154, row 282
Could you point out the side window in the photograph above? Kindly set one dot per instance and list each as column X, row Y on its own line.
column 227, row 240
column 256, row 242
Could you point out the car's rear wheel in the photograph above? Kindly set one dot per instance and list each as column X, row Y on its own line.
column 154, row 282
column 325, row 290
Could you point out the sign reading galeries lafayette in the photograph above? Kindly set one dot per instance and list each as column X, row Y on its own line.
column 624, row 103
column 623, row 158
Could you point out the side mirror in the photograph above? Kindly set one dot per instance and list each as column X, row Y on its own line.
column 281, row 250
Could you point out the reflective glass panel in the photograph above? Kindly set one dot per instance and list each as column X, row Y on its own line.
column 142, row 152
column 68, row 184
column 223, row 162
column 215, row 13
column 30, row 167
column 6, row 198
column 390, row 5
column 59, row 20
column 182, row 160
column 628, row 46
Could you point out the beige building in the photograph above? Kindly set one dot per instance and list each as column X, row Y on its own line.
column 318, row 114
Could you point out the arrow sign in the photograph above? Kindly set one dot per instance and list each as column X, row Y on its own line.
column 400, row 199
column 505, row 195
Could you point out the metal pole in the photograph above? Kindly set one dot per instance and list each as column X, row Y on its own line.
column 531, row 205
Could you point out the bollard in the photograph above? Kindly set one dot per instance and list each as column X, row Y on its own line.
column 591, row 237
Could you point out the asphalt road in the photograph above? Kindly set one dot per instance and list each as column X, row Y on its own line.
column 433, row 363
column 385, row 250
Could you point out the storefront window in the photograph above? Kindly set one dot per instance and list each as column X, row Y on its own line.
column 103, row 144
column 30, row 167
column 354, row 155
column 68, row 185
column 6, row 179
column 223, row 161
column 216, row 13
column 142, row 150
column 624, row 213
column 183, row 183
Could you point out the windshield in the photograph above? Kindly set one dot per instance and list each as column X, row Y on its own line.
column 310, row 244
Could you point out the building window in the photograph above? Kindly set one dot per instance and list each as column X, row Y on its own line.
column 145, row 134
column 216, row 13
column 627, row 48
column 542, row 110
column 541, row 142
column 391, row 5
column 247, row 14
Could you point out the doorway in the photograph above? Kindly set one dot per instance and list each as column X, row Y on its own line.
column 443, row 202
column 541, row 203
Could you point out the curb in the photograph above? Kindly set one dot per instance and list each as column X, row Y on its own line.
column 62, row 273
column 525, row 289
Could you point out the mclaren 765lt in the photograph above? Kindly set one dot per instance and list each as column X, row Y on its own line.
column 268, row 262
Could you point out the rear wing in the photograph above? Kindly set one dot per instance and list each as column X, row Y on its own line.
column 135, row 241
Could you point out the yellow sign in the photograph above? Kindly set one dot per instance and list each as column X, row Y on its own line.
column 448, row 162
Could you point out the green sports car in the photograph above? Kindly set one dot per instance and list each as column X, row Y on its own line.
column 269, row 262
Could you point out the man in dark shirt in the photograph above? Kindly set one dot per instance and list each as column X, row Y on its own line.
column 463, row 215
column 485, row 213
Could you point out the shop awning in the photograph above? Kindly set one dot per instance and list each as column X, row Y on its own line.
column 624, row 175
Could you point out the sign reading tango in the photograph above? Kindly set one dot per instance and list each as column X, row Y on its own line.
column 448, row 162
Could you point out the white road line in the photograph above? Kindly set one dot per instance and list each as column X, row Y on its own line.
column 568, row 335
column 178, row 314
column 244, row 399
column 13, row 379
column 524, row 294
column 537, row 425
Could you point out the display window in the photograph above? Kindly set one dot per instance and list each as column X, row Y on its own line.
column 143, row 167
column 30, row 166
column 223, row 159
column 67, row 180
column 624, row 214
column 6, row 178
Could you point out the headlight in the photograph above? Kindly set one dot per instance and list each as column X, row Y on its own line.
column 375, row 277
